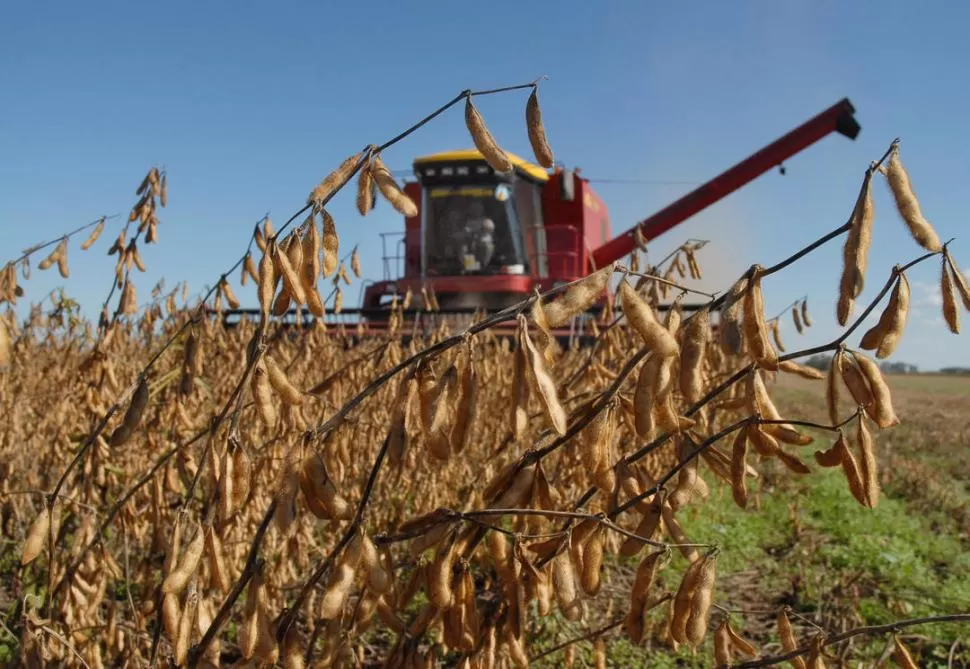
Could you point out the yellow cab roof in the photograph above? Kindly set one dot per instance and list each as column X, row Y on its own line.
column 530, row 169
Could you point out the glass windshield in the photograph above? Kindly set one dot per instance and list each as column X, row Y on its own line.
column 470, row 230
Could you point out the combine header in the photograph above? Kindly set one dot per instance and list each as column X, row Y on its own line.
column 482, row 241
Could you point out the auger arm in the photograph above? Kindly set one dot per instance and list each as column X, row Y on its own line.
column 839, row 118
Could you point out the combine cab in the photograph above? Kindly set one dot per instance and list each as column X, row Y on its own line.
column 482, row 241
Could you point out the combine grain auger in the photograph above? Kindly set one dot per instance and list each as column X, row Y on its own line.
column 482, row 241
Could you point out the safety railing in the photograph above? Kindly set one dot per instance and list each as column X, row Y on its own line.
column 393, row 263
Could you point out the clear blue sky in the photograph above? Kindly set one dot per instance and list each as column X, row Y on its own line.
column 248, row 105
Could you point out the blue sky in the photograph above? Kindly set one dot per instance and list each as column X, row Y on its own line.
column 248, row 105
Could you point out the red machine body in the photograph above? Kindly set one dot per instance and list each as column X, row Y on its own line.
column 553, row 226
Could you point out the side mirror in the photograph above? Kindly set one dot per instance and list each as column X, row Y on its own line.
column 567, row 185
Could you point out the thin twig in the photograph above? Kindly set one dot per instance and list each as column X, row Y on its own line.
column 586, row 637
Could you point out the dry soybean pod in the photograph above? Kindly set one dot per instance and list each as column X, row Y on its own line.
column 133, row 416
column 93, row 237
column 868, row 466
column 592, row 562
column 831, row 457
column 755, row 328
column 739, row 468
column 908, row 205
column 722, row 645
column 687, row 478
column 803, row 371
column 310, row 260
column 241, row 475
column 639, row 594
column 897, row 322
column 61, row 257
column 6, row 345
column 171, row 613
column 184, row 635
column 440, row 574
column 267, row 282
column 564, row 587
column 693, row 348
column 36, row 537
column 219, row 575
column 653, row 387
column 229, row 294
column 730, row 331
column 578, row 297
column 681, row 606
column 855, row 381
column 378, row 579
column 390, row 190
column 543, row 382
column 850, row 467
column 873, row 337
column 337, row 178
column 466, row 415
column 536, row 130
column 49, row 261
column 856, row 250
column 365, row 189
column 701, row 601
column 263, row 394
column 281, row 383
column 355, row 263
column 776, row 335
column 595, row 448
column 519, row 490
column 483, row 139
column 882, row 411
column 962, row 286
column 739, row 642
column 675, row 316
column 641, row 317
column 599, row 653
column 797, row 320
column 291, row 279
column 341, row 581
column 951, row 314
column 176, row 581
column 331, row 244
column 763, row 442
column 788, row 642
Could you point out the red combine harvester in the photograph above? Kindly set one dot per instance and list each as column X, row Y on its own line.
column 482, row 241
